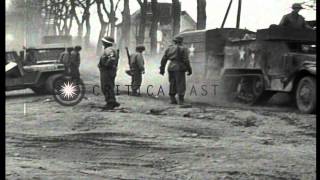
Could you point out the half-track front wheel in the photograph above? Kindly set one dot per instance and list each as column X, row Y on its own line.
column 305, row 94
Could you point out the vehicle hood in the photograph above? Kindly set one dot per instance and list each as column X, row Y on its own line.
column 44, row 67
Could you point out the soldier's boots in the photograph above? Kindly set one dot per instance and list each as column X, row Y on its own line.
column 181, row 100
column 173, row 100
column 135, row 93
column 112, row 105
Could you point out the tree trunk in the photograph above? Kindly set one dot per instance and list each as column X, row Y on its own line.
column 88, row 31
column 112, row 22
column 126, row 25
column 201, row 14
column 142, row 26
column 80, row 33
column 176, row 14
column 154, row 26
column 101, row 34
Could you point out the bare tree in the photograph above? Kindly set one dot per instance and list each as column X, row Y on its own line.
column 126, row 24
column 201, row 14
column 110, row 24
column 176, row 15
column 154, row 26
column 85, row 18
column 142, row 26
column 310, row 4
column 63, row 14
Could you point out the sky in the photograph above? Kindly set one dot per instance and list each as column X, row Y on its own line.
column 255, row 14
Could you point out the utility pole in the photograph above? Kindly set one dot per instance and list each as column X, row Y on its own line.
column 239, row 14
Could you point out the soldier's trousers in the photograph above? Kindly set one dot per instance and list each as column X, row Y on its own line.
column 136, row 81
column 177, row 80
column 107, row 80
column 74, row 72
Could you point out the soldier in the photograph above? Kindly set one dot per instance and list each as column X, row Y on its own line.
column 137, row 69
column 65, row 59
column 108, row 69
column 179, row 65
column 294, row 19
column 75, row 62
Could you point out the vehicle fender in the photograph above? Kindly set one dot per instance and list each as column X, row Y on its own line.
column 300, row 74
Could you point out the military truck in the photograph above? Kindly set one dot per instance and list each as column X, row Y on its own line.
column 39, row 76
column 278, row 59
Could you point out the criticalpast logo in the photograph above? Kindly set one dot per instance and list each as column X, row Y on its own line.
column 68, row 91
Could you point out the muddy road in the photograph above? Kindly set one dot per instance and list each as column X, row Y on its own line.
column 147, row 138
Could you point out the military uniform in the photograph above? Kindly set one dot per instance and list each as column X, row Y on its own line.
column 65, row 60
column 294, row 21
column 179, row 64
column 108, row 70
column 75, row 64
column 137, row 69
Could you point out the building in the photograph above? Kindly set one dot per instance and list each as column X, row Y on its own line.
column 164, row 34
column 23, row 24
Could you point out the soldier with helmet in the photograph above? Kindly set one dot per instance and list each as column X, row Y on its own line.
column 108, row 69
column 178, row 55
column 137, row 69
column 294, row 19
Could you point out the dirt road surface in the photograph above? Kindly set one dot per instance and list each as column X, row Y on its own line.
column 147, row 138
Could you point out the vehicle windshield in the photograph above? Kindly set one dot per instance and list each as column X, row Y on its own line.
column 11, row 57
column 48, row 54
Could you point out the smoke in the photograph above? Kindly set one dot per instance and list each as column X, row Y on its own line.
column 199, row 89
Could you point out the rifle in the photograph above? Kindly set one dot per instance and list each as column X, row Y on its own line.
column 129, row 62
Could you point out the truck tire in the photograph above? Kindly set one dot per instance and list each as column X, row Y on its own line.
column 305, row 94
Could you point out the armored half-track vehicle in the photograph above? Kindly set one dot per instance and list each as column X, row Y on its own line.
column 206, row 49
column 38, row 76
column 278, row 59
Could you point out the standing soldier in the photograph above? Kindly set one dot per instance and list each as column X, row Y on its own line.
column 294, row 19
column 75, row 62
column 108, row 70
column 179, row 65
column 137, row 69
column 65, row 59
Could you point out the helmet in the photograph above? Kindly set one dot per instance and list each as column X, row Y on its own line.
column 178, row 39
column 296, row 6
column 77, row 48
column 108, row 40
column 140, row 48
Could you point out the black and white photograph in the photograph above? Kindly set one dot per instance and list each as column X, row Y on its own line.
column 160, row 90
